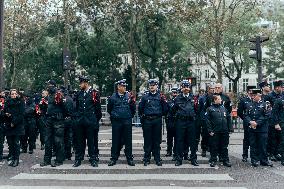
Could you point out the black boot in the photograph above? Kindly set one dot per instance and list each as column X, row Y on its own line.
column 194, row 163
column 15, row 163
column 130, row 162
column 77, row 163
column 112, row 163
column 146, row 162
column 94, row 163
column 227, row 164
column 56, row 163
column 24, row 150
column 212, row 163
column 44, row 163
column 178, row 163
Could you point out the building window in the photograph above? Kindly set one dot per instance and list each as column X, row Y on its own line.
column 245, row 84
column 207, row 75
column 230, row 86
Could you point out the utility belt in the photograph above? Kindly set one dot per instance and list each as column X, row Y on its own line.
column 152, row 117
column 179, row 117
column 58, row 116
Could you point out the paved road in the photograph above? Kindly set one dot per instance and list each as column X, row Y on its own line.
column 29, row 175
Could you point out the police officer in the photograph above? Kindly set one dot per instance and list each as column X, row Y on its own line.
column 242, row 106
column 218, row 125
column 54, row 126
column 256, row 116
column 14, row 123
column 274, row 136
column 265, row 87
column 185, row 117
column 68, row 124
column 121, row 107
column 29, row 139
column 171, row 145
column 88, row 110
column 278, row 122
column 152, row 107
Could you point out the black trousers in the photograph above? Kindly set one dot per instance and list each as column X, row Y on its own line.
column 84, row 131
column 258, row 147
column 274, row 139
column 29, row 139
column 152, row 129
column 14, row 146
column 185, row 137
column 121, row 135
column 246, row 139
column 68, row 133
column 2, row 139
column 171, row 139
column 205, row 137
column 54, row 136
column 219, row 146
column 281, row 146
column 41, row 123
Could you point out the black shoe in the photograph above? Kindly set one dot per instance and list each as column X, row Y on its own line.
column 15, row 163
column 245, row 159
column 159, row 163
column 178, row 163
column 272, row 158
column 254, row 164
column 146, row 162
column 42, row 147
column 194, row 163
column 130, row 162
column 203, row 153
column 77, row 163
column 11, row 163
column 94, row 163
column 55, row 163
column 278, row 157
column 44, row 163
column 169, row 154
column 31, row 151
column 186, row 158
column 212, row 164
column 266, row 164
column 97, row 159
column 112, row 163
column 24, row 150
column 227, row 164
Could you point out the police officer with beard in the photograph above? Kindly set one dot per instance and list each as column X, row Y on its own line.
column 121, row 107
column 88, row 114
column 242, row 106
column 152, row 107
column 171, row 139
column 185, row 118
column 54, row 126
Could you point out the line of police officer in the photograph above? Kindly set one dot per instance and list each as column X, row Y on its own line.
column 65, row 121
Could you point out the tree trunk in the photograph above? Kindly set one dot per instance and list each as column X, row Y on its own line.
column 235, row 86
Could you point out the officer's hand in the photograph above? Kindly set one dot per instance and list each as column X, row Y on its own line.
column 12, row 125
column 8, row 115
column 277, row 127
column 211, row 134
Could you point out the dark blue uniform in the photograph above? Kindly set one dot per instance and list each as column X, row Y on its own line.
column 171, row 139
column 203, row 104
column 278, row 118
column 274, row 136
column 121, row 108
column 30, row 126
column 151, row 109
column 242, row 107
column 185, row 117
column 86, row 126
column 218, row 121
column 256, row 111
